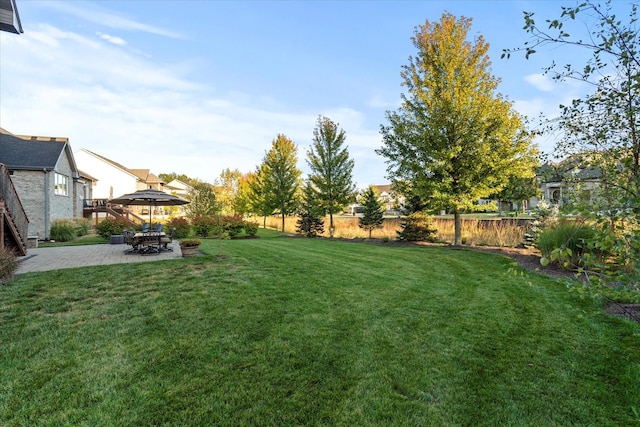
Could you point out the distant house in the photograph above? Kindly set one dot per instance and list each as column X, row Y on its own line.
column 391, row 201
column 178, row 188
column 46, row 178
column 558, row 179
column 114, row 179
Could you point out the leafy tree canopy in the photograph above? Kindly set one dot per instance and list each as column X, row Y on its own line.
column 454, row 138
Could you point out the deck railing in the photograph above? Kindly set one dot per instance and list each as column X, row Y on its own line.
column 13, row 205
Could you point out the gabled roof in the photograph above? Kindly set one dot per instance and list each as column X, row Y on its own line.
column 146, row 176
column 178, row 185
column 143, row 175
column 109, row 161
column 87, row 176
column 20, row 153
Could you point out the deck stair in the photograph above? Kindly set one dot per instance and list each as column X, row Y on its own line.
column 14, row 223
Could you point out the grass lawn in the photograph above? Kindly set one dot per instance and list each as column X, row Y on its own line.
column 89, row 239
column 292, row 331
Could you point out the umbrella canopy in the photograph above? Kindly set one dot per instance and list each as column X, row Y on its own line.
column 149, row 197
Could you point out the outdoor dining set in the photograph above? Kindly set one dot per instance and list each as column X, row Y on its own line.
column 147, row 241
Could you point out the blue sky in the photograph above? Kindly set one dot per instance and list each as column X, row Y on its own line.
column 194, row 87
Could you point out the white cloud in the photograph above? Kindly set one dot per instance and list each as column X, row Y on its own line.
column 148, row 115
column 112, row 39
column 541, row 82
column 91, row 12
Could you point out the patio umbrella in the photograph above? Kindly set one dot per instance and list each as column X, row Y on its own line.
column 149, row 197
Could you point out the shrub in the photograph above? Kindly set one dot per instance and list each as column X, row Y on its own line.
column 8, row 264
column 110, row 226
column 416, row 227
column 251, row 228
column 63, row 230
column 565, row 242
column 203, row 225
column 232, row 224
column 182, row 227
column 81, row 226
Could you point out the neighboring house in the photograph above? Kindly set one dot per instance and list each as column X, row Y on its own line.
column 46, row 178
column 178, row 188
column 147, row 180
column 114, row 179
column 391, row 201
column 556, row 180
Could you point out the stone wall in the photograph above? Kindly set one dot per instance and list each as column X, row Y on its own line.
column 30, row 186
column 36, row 190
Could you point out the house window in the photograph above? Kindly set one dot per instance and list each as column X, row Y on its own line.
column 61, row 185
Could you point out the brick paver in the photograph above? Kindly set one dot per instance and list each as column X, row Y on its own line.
column 54, row 258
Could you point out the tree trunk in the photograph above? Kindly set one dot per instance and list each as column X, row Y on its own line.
column 330, row 225
column 457, row 220
column 264, row 221
column 283, row 223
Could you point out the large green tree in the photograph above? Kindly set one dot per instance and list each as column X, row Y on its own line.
column 331, row 168
column 454, row 138
column 226, row 187
column 281, row 176
column 202, row 200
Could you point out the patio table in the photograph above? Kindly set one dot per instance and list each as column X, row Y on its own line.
column 150, row 242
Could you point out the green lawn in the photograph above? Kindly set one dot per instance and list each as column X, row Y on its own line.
column 89, row 239
column 292, row 331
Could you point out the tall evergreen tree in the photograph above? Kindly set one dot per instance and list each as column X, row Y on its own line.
column 281, row 177
column 373, row 214
column 311, row 221
column 454, row 139
column 331, row 168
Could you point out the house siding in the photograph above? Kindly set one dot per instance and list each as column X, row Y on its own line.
column 111, row 181
column 41, row 204
column 62, row 205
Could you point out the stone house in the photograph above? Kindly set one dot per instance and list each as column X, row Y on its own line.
column 46, row 178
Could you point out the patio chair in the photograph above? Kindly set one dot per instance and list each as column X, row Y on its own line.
column 158, row 228
column 165, row 240
column 130, row 240
column 151, row 244
column 146, row 227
